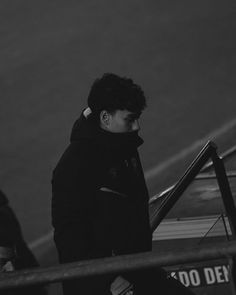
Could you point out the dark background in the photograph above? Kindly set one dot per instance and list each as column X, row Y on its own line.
column 181, row 52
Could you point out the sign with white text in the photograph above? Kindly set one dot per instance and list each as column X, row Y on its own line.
column 202, row 276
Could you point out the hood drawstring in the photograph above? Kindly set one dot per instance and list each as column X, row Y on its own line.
column 87, row 112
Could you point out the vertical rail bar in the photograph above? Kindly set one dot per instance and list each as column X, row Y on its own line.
column 232, row 274
column 230, row 210
column 225, row 192
column 225, row 227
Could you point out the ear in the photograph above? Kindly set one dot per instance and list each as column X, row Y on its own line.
column 104, row 118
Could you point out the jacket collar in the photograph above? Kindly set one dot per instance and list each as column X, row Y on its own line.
column 85, row 128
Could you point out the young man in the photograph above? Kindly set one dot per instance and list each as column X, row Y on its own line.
column 100, row 198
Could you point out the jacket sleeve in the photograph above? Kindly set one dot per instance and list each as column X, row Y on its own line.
column 73, row 187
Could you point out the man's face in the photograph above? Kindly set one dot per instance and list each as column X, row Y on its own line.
column 121, row 121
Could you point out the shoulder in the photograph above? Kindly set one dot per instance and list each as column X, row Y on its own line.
column 80, row 149
column 78, row 155
column 79, row 164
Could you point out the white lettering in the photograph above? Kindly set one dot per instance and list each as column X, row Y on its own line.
column 219, row 274
column 173, row 275
column 209, row 275
column 226, row 272
column 183, row 277
column 194, row 277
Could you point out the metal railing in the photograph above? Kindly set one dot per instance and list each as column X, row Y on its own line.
column 204, row 173
column 116, row 265
column 172, row 194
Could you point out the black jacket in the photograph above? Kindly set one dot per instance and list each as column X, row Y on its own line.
column 100, row 208
column 100, row 199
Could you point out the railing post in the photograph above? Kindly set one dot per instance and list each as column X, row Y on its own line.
column 225, row 192
column 230, row 211
column 232, row 273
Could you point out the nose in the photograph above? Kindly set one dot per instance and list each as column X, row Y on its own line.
column 135, row 126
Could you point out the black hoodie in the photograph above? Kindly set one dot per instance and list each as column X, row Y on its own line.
column 100, row 199
column 100, row 208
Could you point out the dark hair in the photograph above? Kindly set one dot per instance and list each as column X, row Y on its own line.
column 112, row 93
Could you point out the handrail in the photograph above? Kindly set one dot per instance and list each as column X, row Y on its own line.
column 225, row 155
column 225, row 191
column 114, row 265
column 175, row 193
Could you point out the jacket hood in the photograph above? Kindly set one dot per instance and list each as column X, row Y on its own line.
column 86, row 129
